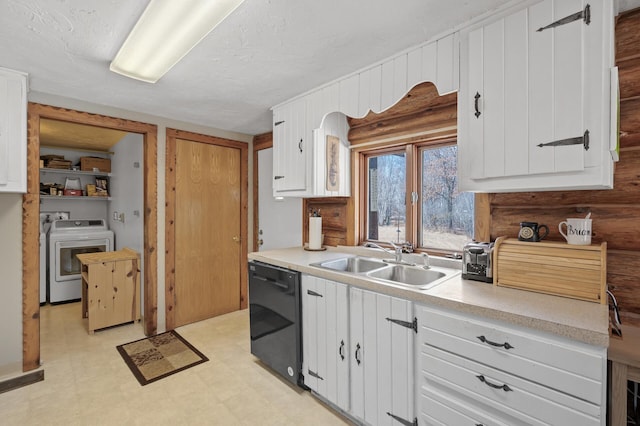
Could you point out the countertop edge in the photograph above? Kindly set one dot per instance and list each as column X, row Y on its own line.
column 582, row 321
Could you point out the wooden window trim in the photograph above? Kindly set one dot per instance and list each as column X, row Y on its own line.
column 482, row 214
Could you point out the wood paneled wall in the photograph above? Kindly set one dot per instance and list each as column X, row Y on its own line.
column 615, row 213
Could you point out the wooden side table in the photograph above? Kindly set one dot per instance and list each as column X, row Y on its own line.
column 624, row 354
column 110, row 288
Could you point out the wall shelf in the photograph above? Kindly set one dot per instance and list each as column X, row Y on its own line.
column 73, row 197
column 73, row 172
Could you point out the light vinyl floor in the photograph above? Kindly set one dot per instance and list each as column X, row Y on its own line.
column 87, row 382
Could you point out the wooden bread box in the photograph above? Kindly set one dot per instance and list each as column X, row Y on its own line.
column 557, row 268
column 110, row 287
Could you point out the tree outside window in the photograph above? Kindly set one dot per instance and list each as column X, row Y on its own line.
column 445, row 216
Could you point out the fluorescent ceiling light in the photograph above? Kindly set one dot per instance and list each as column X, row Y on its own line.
column 165, row 33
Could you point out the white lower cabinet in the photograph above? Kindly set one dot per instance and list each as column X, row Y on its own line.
column 325, row 331
column 495, row 373
column 382, row 339
column 358, row 351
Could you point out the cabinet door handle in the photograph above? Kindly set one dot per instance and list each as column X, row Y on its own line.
column 341, row 350
column 357, row 354
column 584, row 14
column 578, row 140
column 483, row 379
column 476, row 106
column 314, row 374
column 505, row 345
column 277, row 123
column 278, row 177
column 313, row 293
column 300, row 145
column 403, row 421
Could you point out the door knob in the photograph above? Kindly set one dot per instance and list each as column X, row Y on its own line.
column 236, row 239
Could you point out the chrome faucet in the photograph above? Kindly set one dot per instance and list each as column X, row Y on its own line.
column 397, row 253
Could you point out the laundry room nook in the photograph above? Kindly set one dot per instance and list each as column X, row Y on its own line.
column 91, row 202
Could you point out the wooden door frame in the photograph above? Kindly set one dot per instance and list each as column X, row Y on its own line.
column 170, row 214
column 31, row 214
column 260, row 142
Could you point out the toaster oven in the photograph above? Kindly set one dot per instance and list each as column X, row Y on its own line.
column 477, row 263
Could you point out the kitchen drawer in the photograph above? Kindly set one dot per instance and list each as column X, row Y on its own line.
column 487, row 386
column 568, row 366
column 436, row 410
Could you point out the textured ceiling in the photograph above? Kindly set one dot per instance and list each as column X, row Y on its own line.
column 266, row 52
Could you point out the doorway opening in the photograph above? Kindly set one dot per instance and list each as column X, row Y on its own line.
column 30, row 221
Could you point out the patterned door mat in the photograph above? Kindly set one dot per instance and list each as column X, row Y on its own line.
column 159, row 356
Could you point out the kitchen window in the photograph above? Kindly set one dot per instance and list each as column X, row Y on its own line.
column 411, row 195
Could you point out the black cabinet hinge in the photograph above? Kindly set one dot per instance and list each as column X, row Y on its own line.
column 578, row 140
column 412, row 325
column 403, row 421
column 584, row 14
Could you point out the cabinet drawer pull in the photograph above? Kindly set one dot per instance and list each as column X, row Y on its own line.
column 475, row 105
column 578, row 140
column 313, row 293
column 277, row 123
column 314, row 374
column 278, row 177
column 403, row 421
column 584, row 14
column 505, row 388
column 300, row 145
column 505, row 345
column 341, row 350
column 357, row 354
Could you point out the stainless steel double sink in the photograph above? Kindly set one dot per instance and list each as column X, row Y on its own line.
column 405, row 275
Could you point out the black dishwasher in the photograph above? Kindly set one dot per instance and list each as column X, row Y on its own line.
column 275, row 319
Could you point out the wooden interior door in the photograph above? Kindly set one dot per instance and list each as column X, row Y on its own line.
column 207, row 231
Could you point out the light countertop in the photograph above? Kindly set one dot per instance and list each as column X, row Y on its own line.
column 579, row 320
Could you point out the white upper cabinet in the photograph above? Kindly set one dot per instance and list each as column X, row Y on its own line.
column 13, row 131
column 291, row 142
column 534, row 100
column 303, row 164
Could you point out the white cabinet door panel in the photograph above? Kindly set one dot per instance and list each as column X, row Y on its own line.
column 472, row 157
column 493, row 93
column 401, row 366
column 540, row 92
column 356, row 334
column 370, row 357
column 541, row 116
column 309, row 330
column 516, row 109
column 325, row 339
column 383, row 382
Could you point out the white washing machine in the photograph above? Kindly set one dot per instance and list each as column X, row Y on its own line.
column 67, row 238
column 43, row 266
